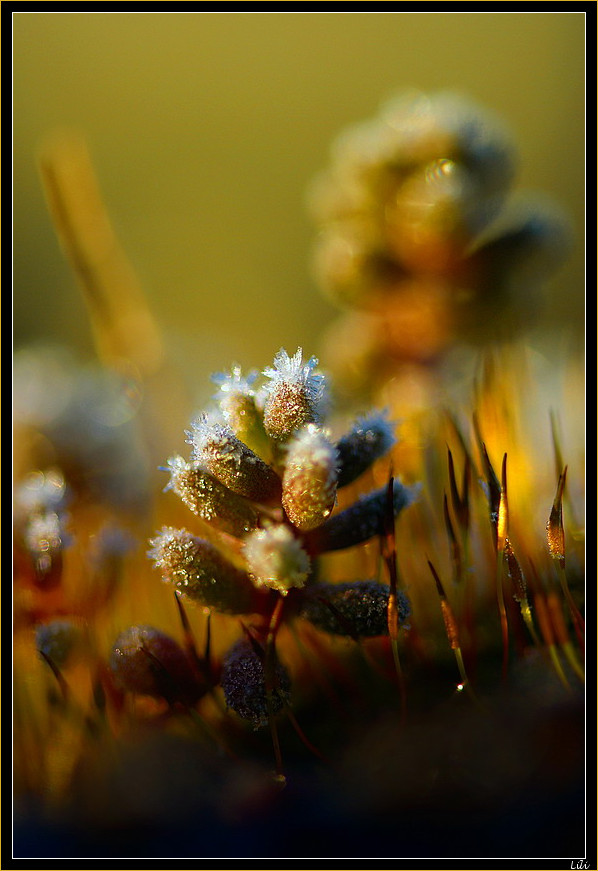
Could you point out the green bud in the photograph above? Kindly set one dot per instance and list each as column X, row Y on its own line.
column 237, row 400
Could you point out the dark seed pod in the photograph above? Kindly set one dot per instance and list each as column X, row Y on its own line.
column 198, row 569
column 357, row 610
column 368, row 439
column 244, row 684
column 148, row 662
column 358, row 523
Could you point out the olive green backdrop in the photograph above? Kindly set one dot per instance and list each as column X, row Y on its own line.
column 206, row 129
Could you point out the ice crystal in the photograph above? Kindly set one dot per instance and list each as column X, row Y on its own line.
column 235, row 382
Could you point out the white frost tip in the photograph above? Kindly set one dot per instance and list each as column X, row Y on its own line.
column 209, row 434
column 176, row 465
column 159, row 545
column 311, row 448
column 292, row 371
column 235, row 382
column 276, row 559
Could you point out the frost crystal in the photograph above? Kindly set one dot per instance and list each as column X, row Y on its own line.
column 292, row 371
column 208, row 436
column 235, row 382
column 241, row 406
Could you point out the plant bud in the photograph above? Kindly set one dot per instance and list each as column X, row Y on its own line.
column 276, row 559
column 357, row 609
column 295, row 395
column 358, row 523
column 202, row 573
column 309, row 480
column 369, row 439
column 244, row 685
column 148, row 662
column 217, row 448
column 206, row 497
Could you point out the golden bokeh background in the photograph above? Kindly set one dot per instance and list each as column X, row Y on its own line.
column 206, row 130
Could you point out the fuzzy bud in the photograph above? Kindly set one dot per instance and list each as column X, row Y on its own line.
column 206, row 497
column 217, row 448
column 294, row 395
column 148, row 662
column 360, row 522
column 369, row 439
column 198, row 569
column 309, row 480
column 358, row 609
column 276, row 559
column 244, row 685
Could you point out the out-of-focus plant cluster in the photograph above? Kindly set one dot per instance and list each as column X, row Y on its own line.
column 422, row 237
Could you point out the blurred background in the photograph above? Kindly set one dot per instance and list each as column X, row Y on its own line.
column 206, row 130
